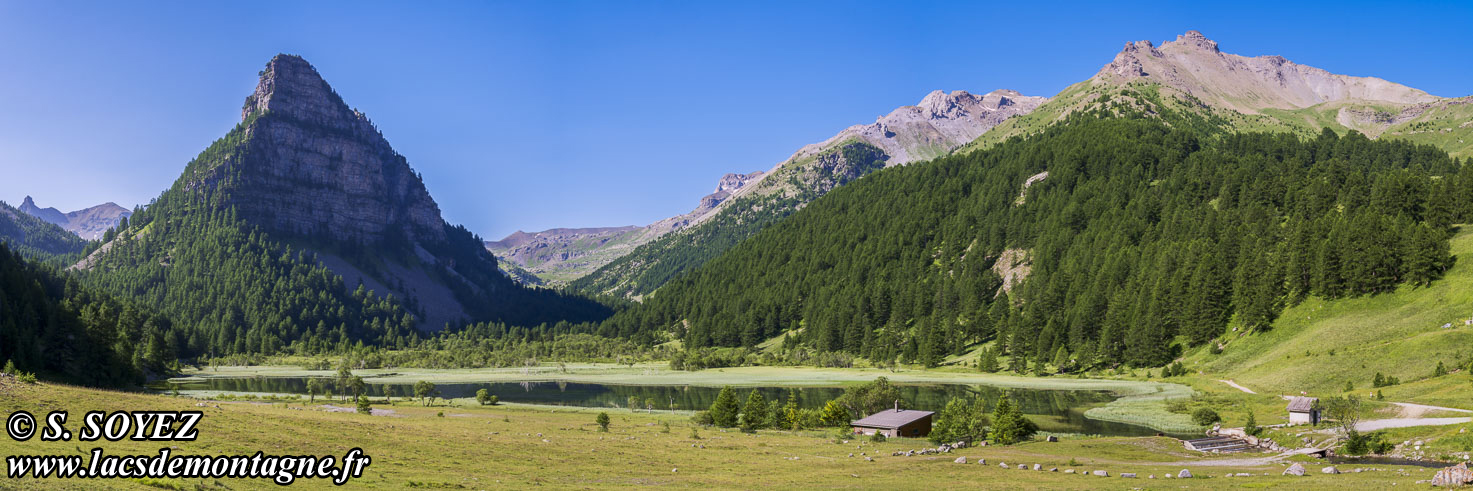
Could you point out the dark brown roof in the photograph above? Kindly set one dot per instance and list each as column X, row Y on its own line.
column 892, row 418
column 1301, row 404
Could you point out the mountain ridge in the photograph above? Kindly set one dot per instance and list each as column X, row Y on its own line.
column 88, row 223
column 934, row 126
column 1268, row 92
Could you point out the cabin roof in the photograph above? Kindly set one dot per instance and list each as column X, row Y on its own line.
column 1302, row 404
column 892, row 418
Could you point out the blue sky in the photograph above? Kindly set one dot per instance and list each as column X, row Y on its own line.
column 531, row 115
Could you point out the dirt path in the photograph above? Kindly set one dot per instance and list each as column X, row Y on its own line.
column 1409, row 410
column 1381, row 424
column 1236, row 386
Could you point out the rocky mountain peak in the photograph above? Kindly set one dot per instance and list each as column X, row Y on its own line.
column 28, row 202
column 1195, row 40
column 292, row 87
column 316, row 167
column 1193, row 64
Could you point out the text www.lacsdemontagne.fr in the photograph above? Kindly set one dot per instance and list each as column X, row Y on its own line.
column 280, row 469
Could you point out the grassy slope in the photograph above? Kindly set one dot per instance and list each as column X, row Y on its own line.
column 510, row 447
column 1396, row 334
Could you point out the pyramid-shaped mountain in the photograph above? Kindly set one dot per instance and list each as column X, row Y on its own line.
column 311, row 185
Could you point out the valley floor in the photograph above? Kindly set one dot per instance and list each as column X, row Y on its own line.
column 465, row 446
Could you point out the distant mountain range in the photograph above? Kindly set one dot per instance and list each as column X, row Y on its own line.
column 36, row 238
column 1189, row 75
column 935, row 126
column 88, row 223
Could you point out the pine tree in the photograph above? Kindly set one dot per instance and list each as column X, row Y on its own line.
column 1009, row 426
column 724, row 410
column 755, row 413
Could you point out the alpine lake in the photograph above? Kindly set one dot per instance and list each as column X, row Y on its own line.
column 1055, row 411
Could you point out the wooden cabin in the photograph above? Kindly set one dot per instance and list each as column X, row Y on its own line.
column 895, row 422
column 1304, row 411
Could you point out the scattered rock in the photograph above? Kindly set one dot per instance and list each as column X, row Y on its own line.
column 959, row 460
column 1184, row 474
column 1152, row 476
column 1003, row 464
column 677, row 469
column 1330, row 470
column 1053, row 469
column 1130, row 475
column 1068, row 471
column 869, row 459
column 1022, row 467
column 1101, row 473
column 1295, row 470
column 1457, row 475
column 1037, row 467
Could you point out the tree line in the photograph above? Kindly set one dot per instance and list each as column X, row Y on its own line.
column 1144, row 239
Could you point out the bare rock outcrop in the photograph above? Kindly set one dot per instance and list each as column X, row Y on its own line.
column 1194, row 64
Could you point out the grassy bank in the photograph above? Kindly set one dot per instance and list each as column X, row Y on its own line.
column 472, row 447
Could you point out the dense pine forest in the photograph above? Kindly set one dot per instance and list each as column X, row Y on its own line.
column 1143, row 239
column 650, row 266
column 52, row 325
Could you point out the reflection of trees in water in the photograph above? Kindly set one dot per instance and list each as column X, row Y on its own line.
column 1053, row 410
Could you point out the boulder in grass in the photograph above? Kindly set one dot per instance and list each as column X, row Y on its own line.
column 1003, row 464
column 1037, row 467
column 1330, row 470
column 1295, row 470
column 1130, row 475
column 960, row 460
column 1184, row 474
column 1457, row 475
column 1101, row 473
column 1068, row 471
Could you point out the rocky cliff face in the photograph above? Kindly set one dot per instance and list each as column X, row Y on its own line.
column 313, row 166
column 88, row 223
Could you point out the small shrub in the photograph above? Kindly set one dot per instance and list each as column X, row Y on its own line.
column 694, row 433
column 664, row 427
column 27, row 378
column 877, row 437
column 603, row 422
column 1205, row 416
column 440, row 414
column 702, row 418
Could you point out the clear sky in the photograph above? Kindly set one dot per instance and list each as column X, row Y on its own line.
column 540, row 114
